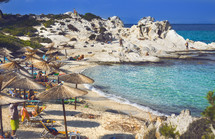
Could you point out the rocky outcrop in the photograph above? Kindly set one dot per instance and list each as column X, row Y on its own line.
column 148, row 29
column 182, row 121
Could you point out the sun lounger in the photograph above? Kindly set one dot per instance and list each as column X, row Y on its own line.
column 35, row 119
column 54, row 133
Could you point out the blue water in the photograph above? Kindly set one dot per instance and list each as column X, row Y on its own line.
column 196, row 32
column 166, row 88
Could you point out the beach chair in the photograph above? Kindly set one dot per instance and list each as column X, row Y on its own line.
column 27, row 121
column 54, row 133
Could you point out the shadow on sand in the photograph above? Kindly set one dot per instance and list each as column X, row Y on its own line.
column 83, row 124
column 68, row 113
column 118, row 136
column 28, row 134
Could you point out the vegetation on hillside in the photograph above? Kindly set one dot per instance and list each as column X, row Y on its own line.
column 13, row 43
column 90, row 16
column 18, row 25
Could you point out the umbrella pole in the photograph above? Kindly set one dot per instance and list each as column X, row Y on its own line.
column 32, row 66
column 65, row 53
column 58, row 80
column 24, row 98
column 4, row 59
column 2, row 133
column 76, row 86
column 65, row 119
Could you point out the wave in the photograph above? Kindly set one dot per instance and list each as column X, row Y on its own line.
column 121, row 100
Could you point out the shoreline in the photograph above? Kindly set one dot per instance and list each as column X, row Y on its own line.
column 131, row 106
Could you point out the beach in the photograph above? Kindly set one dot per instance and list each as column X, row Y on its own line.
column 105, row 113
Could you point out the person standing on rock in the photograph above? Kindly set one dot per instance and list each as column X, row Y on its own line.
column 187, row 45
column 75, row 12
column 120, row 42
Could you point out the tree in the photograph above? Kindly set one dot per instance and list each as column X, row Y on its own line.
column 209, row 112
column 1, row 1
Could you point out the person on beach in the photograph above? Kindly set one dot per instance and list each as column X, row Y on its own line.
column 14, row 122
column 120, row 42
column 39, row 76
column 75, row 12
column 187, row 45
column 31, row 95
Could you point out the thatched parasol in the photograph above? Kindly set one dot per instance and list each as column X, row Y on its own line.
column 76, row 78
column 26, row 83
column 32, row 57
column 5, row 52
column 35, row 51
column 61, row 92
column 44, row 65
column 11, row 74
column 13, row 65
column 25, row 49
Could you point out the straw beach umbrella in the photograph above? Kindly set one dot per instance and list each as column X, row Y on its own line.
column 44, row 65
column 32, row 57
column 76, row 78
column 13, row 65
column 61, row 92
column 5, row 52
column 26, row 84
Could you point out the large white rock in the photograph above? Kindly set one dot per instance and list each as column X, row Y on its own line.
column 181, row 121
column 146, row 20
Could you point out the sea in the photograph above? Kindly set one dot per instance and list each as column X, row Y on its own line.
column 163, row 88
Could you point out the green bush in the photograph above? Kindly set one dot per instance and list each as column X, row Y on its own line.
column 209, row 112
column 13, row 43
column 48, row 23
column 90, row 16
column 73, row 28
column 42, row 28
column 169, row 131
column 102, row 29
column 41, row 40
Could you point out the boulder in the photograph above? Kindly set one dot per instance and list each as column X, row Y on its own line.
column 146, row 20
column 181, row 121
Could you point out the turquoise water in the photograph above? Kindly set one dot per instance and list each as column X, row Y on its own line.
column 203, row 36
column 167, row 87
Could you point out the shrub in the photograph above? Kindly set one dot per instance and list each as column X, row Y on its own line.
column 13, row 43
column 209, row 112
column 169, row 131
column 73, row 39
column 73, row 28
column 62, row 23
column 102, row 30
column 92, row 37
column 42, row 28
column 90, row 16
column 62, row 33
column 41, row 40
column 48, row 23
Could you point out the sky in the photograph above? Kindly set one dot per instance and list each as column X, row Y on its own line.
column 129, row 11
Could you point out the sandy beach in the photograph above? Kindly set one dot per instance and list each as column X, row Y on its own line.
column 98, row 117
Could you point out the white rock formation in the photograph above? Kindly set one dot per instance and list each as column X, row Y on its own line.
column 146, row 41
column 182, row 121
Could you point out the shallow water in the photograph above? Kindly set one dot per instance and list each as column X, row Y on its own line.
column 167, row 87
